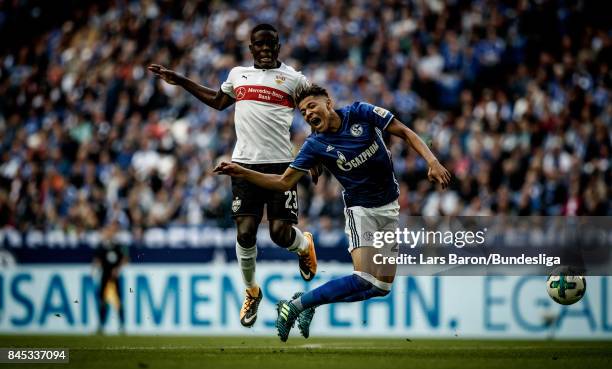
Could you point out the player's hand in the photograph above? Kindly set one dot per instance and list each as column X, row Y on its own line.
column 230, row 169
column 164, row 73
column 437, row 173
column 315, row 172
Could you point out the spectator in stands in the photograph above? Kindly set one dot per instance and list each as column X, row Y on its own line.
column 516, row 95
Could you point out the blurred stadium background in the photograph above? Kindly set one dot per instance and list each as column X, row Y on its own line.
column 514, row 97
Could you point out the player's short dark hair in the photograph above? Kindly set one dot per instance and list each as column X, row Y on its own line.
column 312, row 90
column 263, row 27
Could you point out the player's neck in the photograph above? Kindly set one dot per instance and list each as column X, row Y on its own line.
column 278, row 64
column 334, row 122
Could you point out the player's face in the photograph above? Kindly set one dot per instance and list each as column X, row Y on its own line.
column 316, row 111
column 265, row 47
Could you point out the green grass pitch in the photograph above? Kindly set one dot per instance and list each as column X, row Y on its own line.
column 149, row 352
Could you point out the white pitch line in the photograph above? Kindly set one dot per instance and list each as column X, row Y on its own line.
column 208, row 348
column 312, row 346
column 327, row 347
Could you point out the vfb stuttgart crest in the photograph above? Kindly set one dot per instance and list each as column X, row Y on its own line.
column 236, row 204
column 279, row 78
column 356, row 130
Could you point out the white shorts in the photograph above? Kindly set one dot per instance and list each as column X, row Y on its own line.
column 362, row 224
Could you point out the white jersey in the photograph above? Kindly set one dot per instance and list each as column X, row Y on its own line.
column 264, row 112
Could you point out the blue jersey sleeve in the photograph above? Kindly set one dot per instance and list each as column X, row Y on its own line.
column 306, row 158
column 376, row 115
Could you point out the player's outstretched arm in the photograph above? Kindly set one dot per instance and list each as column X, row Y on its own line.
column 276, row 182
column 436, row 171
column 215, row 99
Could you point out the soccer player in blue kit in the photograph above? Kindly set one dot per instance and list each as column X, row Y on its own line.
column 349, row 143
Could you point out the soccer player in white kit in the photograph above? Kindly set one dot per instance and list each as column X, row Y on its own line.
column 264, row 97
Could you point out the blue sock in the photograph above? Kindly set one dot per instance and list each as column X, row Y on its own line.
column 365, row 295
column 346, row 289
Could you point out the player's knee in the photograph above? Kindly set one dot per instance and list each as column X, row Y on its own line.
column 246, row 239
column 280, row 233
column 375, row 287
column 246, row 231
column 376, row 290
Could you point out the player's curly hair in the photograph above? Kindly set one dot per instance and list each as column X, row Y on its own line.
column 263, row 27
column 312, row 90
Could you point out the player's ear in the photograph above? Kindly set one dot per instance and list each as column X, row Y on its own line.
column 329, row 103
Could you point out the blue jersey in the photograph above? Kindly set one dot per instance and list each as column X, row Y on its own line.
column 356, row 155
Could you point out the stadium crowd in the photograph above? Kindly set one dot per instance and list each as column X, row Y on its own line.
column 513, row 96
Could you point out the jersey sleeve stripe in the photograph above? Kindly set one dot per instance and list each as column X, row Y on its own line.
column 298, row 168
column 389, row 121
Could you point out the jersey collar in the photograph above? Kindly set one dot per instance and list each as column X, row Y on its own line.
column 263, row 70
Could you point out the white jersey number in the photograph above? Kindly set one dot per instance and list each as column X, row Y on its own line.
column 291, row 202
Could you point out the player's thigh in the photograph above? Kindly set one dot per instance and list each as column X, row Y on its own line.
column 370, row 260
column 282, row 205
column 360, row 227
column 247, row 198
column 369, row 251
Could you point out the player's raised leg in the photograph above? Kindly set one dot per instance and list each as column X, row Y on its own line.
column 286, row 235
column 368, row 280
column 358, row 286
column 283, row 215
column 246, row 254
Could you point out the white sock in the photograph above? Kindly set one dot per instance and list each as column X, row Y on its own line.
column 297, row 302
column 246, row 260
column 300, row 244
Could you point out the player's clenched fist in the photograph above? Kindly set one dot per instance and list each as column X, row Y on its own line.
column 164, row 73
